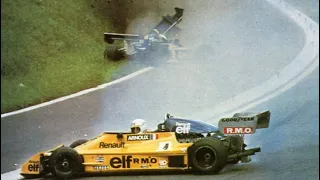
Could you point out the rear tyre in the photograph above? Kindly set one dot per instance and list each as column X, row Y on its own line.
column 112, row 52
column 78, row 143
column 108, row 40
column 65, row 163
column 208, row 155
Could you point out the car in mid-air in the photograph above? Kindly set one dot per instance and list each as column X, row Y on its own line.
column 176, row 144
column 156, row 42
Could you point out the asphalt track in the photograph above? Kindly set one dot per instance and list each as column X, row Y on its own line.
column 289, row 147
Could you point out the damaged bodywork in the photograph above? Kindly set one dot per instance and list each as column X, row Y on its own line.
column 156, row 41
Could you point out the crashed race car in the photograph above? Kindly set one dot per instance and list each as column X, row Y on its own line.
column 176, row 144
column 155, row 42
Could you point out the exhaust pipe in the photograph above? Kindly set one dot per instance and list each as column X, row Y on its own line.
column 247, row 152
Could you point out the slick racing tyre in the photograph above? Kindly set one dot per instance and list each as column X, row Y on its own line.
column 65, row 163
column 208, row 155
column 108, row 40
column 112, row 52
column 78, row 143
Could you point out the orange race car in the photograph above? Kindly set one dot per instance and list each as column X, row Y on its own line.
column 177, row 144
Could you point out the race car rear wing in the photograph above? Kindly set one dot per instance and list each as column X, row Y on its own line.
column 244, row 123
column 169, row 23
column 110, row 37
column 167, row 26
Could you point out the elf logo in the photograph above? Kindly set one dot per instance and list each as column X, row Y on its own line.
column 183, row 128
column 125, row 161
column 34, row 167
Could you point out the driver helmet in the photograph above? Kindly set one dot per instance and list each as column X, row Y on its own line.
column 138, row 126
column 159, row 36
column 155, row 32
column 163, row 37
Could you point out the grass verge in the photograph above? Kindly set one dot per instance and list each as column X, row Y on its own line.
column 51, row 49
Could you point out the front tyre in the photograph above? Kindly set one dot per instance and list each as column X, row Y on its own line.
column 65, row 163
column 207, row 156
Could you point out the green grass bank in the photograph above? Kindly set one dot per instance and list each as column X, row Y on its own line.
column 53, row 48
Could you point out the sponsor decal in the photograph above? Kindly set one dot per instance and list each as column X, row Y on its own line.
column 163, row 146
column 99, row 158
column 237, row 119
column 125, row 161
column 144, row 166
column 34, row 162
column 238, row 130
column 111, row 145
column 142, row 137
column 100, row 167
column 166, row 146
column 163, row 162
column 183, row 128
column 34, row 167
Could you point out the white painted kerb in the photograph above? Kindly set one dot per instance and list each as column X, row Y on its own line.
column 301, row 66
column 79, row 93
